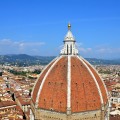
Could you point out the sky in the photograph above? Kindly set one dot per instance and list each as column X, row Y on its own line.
column 38, row 27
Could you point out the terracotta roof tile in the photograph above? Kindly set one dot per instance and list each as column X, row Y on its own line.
column 85, row 95
column 54, row 92
column 36, row 88
column 99, row 80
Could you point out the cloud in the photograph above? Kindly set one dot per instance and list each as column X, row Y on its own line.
column 84, row 50
column 109, row 50
column 100, row 51
column 9, row 41
column 81, row 48
column 32, row 43
column 23, row 45
column 5, row 42
column 89, row 49
column 106, row 52
column 103, row 50
column 79, row 44
column 9, row 46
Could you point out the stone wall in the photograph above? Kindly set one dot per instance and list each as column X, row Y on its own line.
column 50, row 115
column 41, row 114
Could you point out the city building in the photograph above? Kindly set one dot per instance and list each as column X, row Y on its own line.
column 69, row 88
column 1, row 72
column 115, row 96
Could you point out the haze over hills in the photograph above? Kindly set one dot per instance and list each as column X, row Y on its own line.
column 26, row 60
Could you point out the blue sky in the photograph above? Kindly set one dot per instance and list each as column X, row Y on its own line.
column 38, row 27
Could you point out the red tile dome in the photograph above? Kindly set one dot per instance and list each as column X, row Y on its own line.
column 69, row 82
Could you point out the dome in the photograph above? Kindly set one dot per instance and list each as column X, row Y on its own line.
column 69, row 80
column 69, row 85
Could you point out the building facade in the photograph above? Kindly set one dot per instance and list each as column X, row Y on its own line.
column 115, row 96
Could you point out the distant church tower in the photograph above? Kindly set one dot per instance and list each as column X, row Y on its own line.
column 69, row 88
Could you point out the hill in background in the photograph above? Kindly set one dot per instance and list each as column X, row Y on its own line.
column 27, row 60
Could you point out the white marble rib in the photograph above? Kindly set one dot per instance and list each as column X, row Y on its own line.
column 69, row 83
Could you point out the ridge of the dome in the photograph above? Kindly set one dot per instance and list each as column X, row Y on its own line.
column 69, row 86
column 98, row 78
column 54, row 92
column 97, row 73
column 44, row 71
column 41, row 86
column 101, row 98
